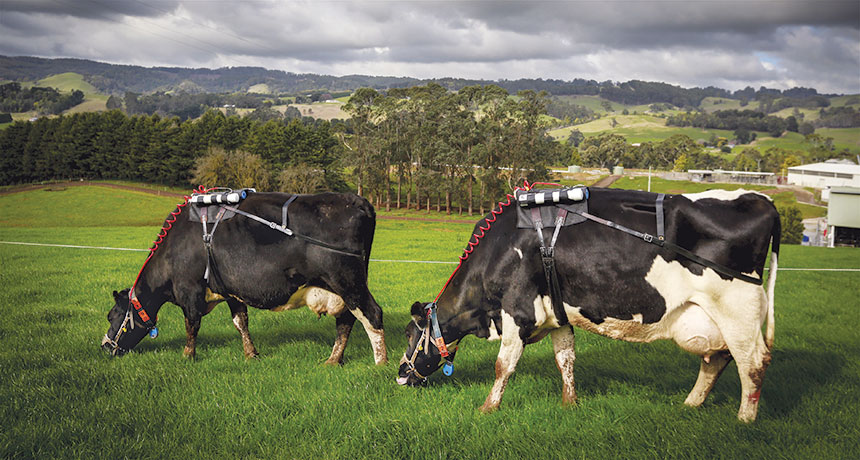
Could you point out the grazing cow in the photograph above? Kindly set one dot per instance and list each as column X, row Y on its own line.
column 318, row 256
column 615, row 284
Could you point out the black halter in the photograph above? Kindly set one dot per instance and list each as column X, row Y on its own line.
column 432, row 333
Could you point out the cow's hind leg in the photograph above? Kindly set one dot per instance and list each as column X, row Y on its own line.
column 509, row 353
column 344, row 322
column 739, row 316
column 565, row 355
column 240, row 319
column 709, row 372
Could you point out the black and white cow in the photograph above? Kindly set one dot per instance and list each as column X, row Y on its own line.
column 263, row 268
column 619, row 286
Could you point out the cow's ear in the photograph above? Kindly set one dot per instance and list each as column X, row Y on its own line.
column 116, row 296
column 418, row 312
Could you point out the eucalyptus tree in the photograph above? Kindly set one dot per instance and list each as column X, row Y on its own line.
column 360, row 148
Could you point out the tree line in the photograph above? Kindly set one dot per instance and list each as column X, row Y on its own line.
column 679, row 152
column 44, row 100
column 750, row 120
column 424, row 145
column 113, row 145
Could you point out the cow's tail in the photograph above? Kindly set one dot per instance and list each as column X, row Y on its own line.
column 776, row 234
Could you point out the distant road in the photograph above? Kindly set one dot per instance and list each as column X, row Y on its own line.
column 606, row 181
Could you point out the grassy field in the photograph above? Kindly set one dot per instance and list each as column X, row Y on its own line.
column 643, row 128
column 62, row 397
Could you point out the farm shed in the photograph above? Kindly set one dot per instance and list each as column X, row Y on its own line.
column 843, row 216
column 822, row 175
column 744, row 177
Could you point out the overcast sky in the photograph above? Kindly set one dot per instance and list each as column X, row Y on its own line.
column 729, row 44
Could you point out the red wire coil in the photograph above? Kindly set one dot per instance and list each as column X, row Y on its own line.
column 168, row 224
column 489, row 220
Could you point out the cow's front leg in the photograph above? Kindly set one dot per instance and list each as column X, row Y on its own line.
column 565, row 355
column 240, row 320
column 509, row 353
column 344, row 323
column 192, row 327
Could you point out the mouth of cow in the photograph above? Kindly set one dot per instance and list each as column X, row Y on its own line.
column 110, row 348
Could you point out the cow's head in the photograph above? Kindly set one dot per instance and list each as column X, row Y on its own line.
column 421, row 358
column 125, row 330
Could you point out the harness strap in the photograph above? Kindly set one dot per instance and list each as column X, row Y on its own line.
column 660, row 224
column 141, row 312
column 289, row 232
column 435, row 330
column 648, row 238
column 211, row 266
column 284, row 217
column 548, row 260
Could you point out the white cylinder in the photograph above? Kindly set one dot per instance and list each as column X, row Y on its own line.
column 575, row 194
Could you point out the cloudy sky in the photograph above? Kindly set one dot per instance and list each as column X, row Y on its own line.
column 729, row 44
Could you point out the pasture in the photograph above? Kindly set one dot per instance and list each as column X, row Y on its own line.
column 63, row 397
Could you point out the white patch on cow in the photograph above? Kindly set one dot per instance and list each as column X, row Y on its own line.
column 544, row 315
column 724, row 195
column 213, row 297
column 237, row 322
column 320, row 301
column 494, row 333
column 692, row 302
column 519, row 252
column 376, row 336
column 509, row 353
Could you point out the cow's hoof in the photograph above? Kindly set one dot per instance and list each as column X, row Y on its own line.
column 569, row 401
column 488, row 408
column 250, row 356
column 333, row 362
column 189, row 354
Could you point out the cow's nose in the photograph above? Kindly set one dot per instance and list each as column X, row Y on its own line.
column 402, row 380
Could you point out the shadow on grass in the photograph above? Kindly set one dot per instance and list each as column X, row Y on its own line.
column 663, row 370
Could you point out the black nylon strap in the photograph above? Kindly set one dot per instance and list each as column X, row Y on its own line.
column 712, row 265
column 548, row 262
column 289, row 232
column 674, row 247
column 661, row 231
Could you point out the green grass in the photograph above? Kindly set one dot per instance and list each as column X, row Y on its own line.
column 67, row 82
column 261, row 88
column 61, row 397
column 637, row 129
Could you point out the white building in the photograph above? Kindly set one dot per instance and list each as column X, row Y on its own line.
column 823, row 175
column 843, row 216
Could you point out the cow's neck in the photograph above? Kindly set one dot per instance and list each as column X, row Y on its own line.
column 150, row 293
column 463, row 311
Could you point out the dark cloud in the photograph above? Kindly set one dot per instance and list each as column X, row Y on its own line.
column 724, row 43
column 89, row 9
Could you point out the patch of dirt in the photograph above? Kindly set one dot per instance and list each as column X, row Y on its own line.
column 63, row 185
column 800, row 194
column 606, row 181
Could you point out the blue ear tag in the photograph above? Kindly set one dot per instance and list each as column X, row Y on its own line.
column 448, row 368
column 153, row 333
